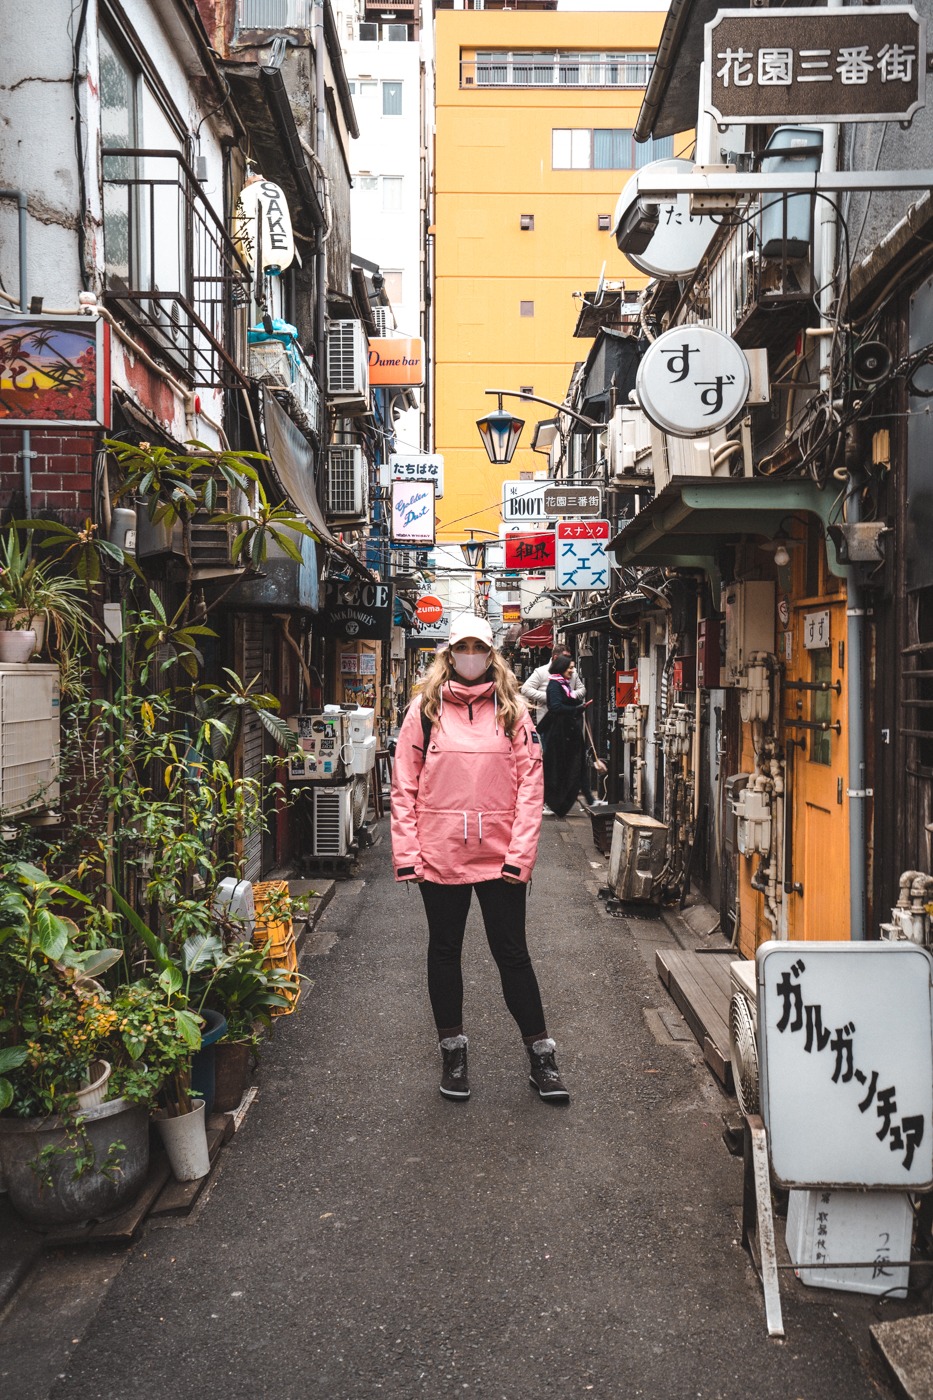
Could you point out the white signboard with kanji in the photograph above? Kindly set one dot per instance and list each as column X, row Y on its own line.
column 816, row 630
column 845, row 1039
column 417, row 466
column 693, row 380
column 582, row 561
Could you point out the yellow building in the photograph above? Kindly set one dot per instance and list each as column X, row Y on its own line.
column 534, row 112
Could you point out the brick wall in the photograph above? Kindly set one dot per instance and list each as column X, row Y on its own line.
column 61, row 473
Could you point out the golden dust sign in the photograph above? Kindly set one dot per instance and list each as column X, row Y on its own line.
column 262, row 228
column 398, row 362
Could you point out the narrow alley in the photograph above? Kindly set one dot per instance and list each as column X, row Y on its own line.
column 364, row 1237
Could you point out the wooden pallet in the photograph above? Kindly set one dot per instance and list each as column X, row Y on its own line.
column 699, row 986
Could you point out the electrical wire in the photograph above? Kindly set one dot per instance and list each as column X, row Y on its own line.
column 79, row 142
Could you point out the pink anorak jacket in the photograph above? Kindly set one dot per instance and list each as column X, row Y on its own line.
column 469, row 808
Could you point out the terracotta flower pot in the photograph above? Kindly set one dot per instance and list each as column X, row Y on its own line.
column 17, row 646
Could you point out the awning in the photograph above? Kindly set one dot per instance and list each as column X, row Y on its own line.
column 292, row 467
column 540, row 636
column 600, row 623
column 688, row 524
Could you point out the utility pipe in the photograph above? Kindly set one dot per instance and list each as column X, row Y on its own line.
column 26, row 452
column 320, row 141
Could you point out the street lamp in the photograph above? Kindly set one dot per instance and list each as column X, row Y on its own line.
column 474, row 556
column 500, row 432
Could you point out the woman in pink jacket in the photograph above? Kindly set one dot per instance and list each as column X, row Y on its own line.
column 467, row 794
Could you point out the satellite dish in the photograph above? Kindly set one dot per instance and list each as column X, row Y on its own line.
column 601, row 286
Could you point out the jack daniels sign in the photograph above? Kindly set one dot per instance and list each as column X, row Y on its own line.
column 845, row 1035
column 856, row 64
column 356, row 611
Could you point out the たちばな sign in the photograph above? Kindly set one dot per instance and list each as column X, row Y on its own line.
column 412, row 512
column 417, row 466
column 692, row 381
column 845, row 1036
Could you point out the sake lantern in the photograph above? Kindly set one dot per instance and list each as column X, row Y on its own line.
column 262, row 227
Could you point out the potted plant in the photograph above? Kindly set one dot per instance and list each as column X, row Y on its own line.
column 248, row 993
column 61, row 1161
column 37, row 600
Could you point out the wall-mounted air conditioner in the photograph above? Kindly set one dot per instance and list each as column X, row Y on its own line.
column 347, row 482
column 383, row 320
column 721, row 454
column 333, row 821
column 637, row 856
column 273, row 14
column 348, row 366
column 629, row 444
column 30, row 738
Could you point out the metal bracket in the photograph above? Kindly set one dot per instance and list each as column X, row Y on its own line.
column 860, row 792
column 758, row 1220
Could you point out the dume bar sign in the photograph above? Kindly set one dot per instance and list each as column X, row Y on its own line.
column 857, row 64
column 397, row 362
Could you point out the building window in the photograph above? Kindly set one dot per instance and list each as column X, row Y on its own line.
column 370, row 183
column 526, row 308
column 604, row 222
column 604, row 148
column 555, row 68
column 526, row 388
column 527, row 222
column 391, row 193
column 393, row 285
column 363, row 88
column 391, row 99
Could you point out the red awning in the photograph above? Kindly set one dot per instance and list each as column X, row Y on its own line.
column 540, row 636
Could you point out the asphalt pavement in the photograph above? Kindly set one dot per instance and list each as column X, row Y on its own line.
column 364, row 1237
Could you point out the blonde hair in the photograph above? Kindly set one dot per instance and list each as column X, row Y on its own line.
column 511, row 706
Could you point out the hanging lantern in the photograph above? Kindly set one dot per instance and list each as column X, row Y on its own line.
column 500, row 432
column 262, row 227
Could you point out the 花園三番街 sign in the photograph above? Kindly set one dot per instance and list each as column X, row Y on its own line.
column 573, row 500
column 582, row 562
column 853, row 64
column 845, row 1035
column 692, row 380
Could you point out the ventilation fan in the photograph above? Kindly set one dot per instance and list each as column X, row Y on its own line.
column 743, row 1049
column 360, row 799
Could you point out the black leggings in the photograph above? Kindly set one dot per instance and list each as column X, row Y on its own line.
column 503, row 909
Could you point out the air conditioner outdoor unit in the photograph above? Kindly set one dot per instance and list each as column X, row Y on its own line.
column 383, row 320
column 333, row 821
column 629, row 444
column 637, row 856
column 274, row 14
column 30, row 738
column 348, row 366
column 347, row 482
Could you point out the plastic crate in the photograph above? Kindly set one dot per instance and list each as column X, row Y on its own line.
column 601, row 821
column 278, row 938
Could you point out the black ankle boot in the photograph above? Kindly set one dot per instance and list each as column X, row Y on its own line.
column 545, row 1076
column 454, row 1081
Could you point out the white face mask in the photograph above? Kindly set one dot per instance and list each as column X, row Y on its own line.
column 470, row 664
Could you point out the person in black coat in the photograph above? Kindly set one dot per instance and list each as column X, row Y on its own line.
column 561, row 731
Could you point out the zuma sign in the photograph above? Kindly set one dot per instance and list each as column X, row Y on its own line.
column 398, row 362
column 357, row 610
column 857, row 64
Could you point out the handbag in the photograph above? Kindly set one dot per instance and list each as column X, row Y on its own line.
column 598, row 765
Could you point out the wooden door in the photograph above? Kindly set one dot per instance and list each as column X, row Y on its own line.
column 819, row 855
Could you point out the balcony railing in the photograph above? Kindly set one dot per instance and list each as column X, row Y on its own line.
column 171, row 266
column 287, row 372
column 743, row 294
column 556, row 69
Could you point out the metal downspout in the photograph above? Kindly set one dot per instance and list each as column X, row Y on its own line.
column 320, row 142
column 855, row 611
column 26, row 452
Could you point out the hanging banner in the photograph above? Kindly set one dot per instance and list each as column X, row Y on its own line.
column 412, row 520
column 262, row 227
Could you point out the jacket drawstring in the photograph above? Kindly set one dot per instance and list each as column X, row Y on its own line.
column 495, row 713
column 479, row 818
column 464, row 828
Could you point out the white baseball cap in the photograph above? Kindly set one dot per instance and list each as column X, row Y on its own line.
column 469, row 625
